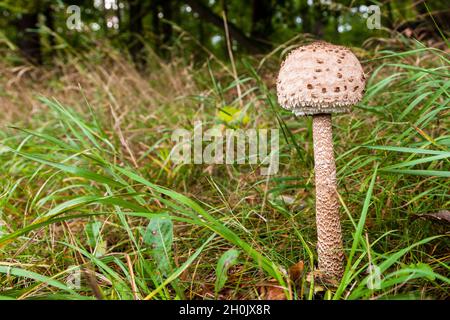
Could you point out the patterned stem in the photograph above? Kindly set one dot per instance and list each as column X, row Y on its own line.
column 329, row 234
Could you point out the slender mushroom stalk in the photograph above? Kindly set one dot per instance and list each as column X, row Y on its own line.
column 329, row 235
column 320, row 79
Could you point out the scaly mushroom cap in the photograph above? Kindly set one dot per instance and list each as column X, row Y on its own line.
column 320, row 78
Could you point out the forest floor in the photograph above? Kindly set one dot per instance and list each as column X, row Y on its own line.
column 88, row 190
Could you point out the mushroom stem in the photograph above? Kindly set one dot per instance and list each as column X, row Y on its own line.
column 329, row 234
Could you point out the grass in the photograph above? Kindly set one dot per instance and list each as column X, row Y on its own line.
column 88, row 187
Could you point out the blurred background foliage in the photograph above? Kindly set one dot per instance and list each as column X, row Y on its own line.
column 39, row 28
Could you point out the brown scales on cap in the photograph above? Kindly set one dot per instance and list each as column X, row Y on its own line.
column 320, row 79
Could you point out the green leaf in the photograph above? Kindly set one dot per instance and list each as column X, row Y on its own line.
column 228, row 115
column 92, row 230
column 18, row 272
column 159, row 236
column 426, row 269
column 95, row 239
column 226, row 261
column 410, row 150
column 390, row 260
column 430, row 173
column 80, row 172
column 180, row 270
column 357, row 237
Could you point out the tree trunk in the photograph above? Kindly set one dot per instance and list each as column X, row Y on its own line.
column 135, row 45
column 167, row 27
column 50, row 23
column 29, row 41
column 390, row 19
column 237, row 34
column 156, row 27
column 306, row 20
column 262, row 19
column 319, row 21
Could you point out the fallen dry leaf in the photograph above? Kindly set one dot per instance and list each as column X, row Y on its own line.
column 272, row 291
column 296, row 271
column 442, row 216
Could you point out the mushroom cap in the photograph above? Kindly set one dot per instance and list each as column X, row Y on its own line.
column 320, row 78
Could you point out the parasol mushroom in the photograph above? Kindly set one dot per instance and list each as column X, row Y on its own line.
column 317, row 80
